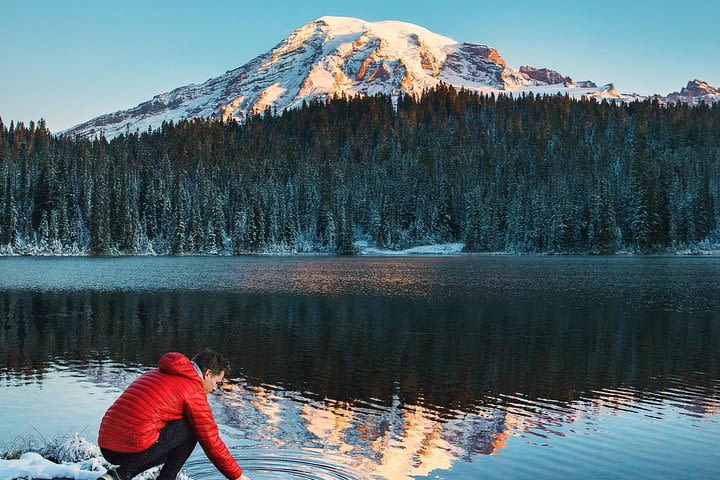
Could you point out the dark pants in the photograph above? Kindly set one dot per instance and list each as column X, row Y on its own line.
column 172, row 449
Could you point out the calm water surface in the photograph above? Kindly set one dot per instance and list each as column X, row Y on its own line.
column 388, row 368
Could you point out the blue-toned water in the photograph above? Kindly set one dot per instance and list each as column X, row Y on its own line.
column 389, row 368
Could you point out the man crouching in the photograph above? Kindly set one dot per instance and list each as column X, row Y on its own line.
column 161, row 416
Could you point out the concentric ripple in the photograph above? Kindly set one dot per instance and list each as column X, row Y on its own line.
column 263, row 465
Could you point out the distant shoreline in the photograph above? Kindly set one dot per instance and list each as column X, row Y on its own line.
column 364, row 249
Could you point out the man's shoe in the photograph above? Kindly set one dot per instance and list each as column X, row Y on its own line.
column 109, row 475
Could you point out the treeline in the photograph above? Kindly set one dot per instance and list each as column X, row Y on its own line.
column 530, row 174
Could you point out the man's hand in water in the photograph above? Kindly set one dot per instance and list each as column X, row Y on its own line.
column 243, row 477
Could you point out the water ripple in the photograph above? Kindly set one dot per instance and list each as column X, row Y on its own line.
column 261, row 465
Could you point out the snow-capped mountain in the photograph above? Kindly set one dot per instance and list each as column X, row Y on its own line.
column 695, row 93
column 334, row 56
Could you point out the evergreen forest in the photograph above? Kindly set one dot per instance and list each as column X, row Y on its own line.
column 534, row 174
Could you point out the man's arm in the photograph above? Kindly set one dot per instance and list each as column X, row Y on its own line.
column 203, row 424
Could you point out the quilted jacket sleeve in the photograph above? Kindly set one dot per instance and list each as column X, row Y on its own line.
column 203, row 424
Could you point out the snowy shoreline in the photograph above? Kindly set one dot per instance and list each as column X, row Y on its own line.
column 364, row 249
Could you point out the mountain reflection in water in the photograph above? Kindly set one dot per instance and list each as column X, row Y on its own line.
column 350, row 365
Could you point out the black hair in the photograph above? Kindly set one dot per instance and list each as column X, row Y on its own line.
column 211, row 360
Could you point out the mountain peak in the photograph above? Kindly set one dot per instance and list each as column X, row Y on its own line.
column 700, row 86
column 384, row 28
column 695, row 93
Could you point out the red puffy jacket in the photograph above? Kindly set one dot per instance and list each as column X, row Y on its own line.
column 163, row 394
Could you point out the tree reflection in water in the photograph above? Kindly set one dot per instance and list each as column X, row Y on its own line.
column 454, row 353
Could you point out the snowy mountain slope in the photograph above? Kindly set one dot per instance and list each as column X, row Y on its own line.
column 334, row 56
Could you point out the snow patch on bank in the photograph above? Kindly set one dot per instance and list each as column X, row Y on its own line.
column 364, row 248
column 709, row 251
column 34, row 465
column 67, row 456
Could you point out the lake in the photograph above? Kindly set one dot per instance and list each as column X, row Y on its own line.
column 457, row 367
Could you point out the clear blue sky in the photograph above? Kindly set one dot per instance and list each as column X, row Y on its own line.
column 68, row 61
